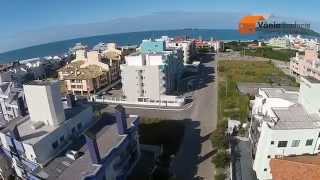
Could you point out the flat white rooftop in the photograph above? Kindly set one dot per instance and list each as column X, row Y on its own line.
column 295, row 117
column 281, row 93
column 29, row 134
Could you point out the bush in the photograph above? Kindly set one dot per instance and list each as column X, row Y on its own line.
column 221, row 68
column 220, row 176
column 221, row 159
column 218, row 138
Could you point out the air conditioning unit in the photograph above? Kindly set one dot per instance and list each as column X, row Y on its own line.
column 37, row 125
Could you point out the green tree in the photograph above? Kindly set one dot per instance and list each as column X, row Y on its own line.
column 220, row 176
column 221, row 159
column 218, row 138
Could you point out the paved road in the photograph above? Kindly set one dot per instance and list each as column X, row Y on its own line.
column 194, row 158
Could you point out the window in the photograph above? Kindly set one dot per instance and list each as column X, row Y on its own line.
column 272, row 142
column 55, row 145
column 295, row 143
column 73, row 130
column 79, row 126
column 62, row 138
column 309, row 142
column 282, row 143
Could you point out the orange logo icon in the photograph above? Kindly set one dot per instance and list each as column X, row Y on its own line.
column 248, row 24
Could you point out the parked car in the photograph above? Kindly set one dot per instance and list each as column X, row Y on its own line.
column 72, row 154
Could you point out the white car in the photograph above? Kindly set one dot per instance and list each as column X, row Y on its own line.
column 71, row 154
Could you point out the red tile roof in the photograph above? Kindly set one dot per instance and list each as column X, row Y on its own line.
column 306, row 167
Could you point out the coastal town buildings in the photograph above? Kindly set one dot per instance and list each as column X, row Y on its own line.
column 54, row 142
column 32, row 141
column 91, row 70
column 23, row 71
column 217, row 45
column 109, row 51
column 12, row 101
column 294, row 42
column 281, row 42
column 76, row 47
column 149, row 76
column 306, row 65
column 284, row 123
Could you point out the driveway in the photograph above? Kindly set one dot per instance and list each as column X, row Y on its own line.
column 242, row 160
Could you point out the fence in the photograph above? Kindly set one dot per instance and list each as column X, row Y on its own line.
column 171, row 102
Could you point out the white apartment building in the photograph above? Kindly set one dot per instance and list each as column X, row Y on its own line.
column 151, row 77
column 284, row 123
column 217, row 45
column 34, row 140
column 188, row 48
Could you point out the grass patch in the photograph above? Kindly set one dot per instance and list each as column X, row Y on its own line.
column 233, row 105
column 269, row 52
column 220, row 176
column 236, row 45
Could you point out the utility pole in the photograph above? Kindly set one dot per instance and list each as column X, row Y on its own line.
column 227, row 87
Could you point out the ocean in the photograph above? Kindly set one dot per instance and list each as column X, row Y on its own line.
column 132, row 38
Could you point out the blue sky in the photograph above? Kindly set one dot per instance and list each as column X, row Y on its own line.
column 18, row 16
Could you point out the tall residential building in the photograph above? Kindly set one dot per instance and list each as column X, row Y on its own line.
column 91, row 71
column 69, row 144
column 306, row 65
column 110, row 152
column 284, row 124
column 152, row 74
column 188, row 47
column 31, row 142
